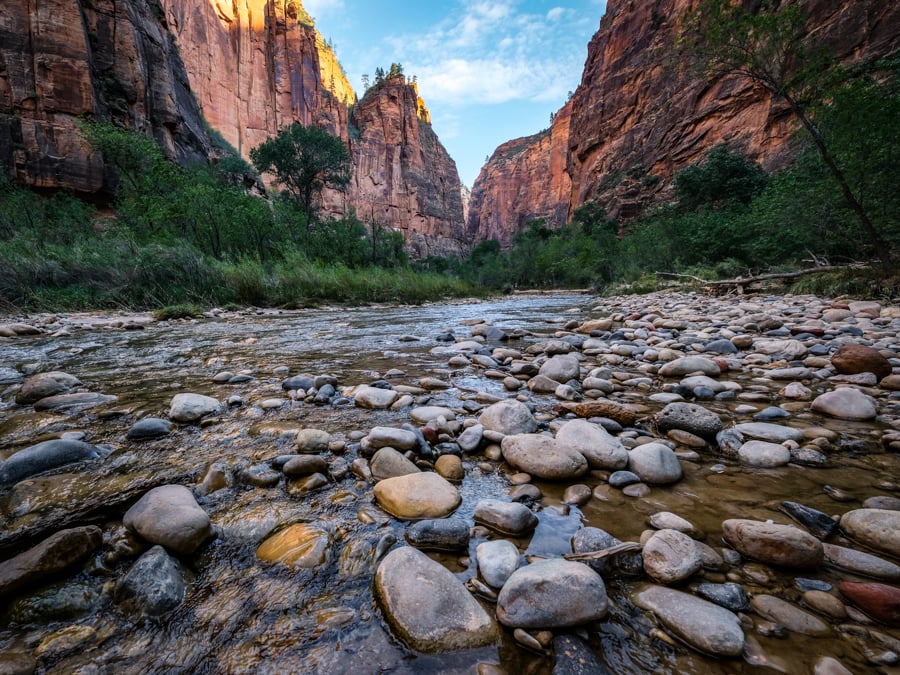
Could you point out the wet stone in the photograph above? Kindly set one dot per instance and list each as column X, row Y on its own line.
column 507, row 517
column 259, row 475
column 191, row 407
column 306, row 484
column 880, row 601
column 622, row 479
column 878, row 529
column 445, row 534
column 690, row 417
column 508, row 417
column 573, row 656
column 154, row 585
column 729, row 595
column 577, row 495
column 598, row 446
column 42, row 385
column 44, row 456
column 168, row 515
column 655, row 464
column 764, row 455
column 543, row 456
column 671, row 556
column 149, row 428
column 497, row 560
column 780, row 545
column 301, row 545
column 792, row 617
column 388, row 463
column 417, row 495
column 304, row 465
column 845, row 403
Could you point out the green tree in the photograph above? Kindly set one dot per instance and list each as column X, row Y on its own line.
column 769, row 43
column 304, row 161
column 723, row 176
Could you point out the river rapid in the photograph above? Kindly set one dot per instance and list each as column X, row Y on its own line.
column 241, row 614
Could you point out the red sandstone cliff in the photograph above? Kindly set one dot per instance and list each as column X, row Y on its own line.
column 253, row 66
column 65, row 59
column 639, row 116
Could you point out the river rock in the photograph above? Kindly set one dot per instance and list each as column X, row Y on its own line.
column 304, row 465
column 851, row 359
column 729, row 595
column 690, row 365
column 788, row 615
column 53, row 555
column 154, row 585
column 443, row 534
column 573, row 656
column 703, row 625
column 374, row 398
column 300, row 545
column 497, row 560
column 552, row 594
column 450, row 467
column 690, row 417
column 666, row 520
column 671, row 556
column 766, row 431
column 543, row 456
column 789, row 350
column 417, row 495
column 312, row 441
column 780, row 545
column 601, row 449
column 846, row 403
column 168, row 515
column 655, row 464
column 44, row 456
column 878, row 529
column 399, row 439
column 880, row 601
column 42, row 385
column 820, row 524
column 511, row 518
column 561, row 368
column 191, row 407
column 429, row 413
column 509, row 417
column 388, row 463
column 763, row 455
column 861, row 563
column 76, row 401
column 149, row 428
column 427, row 606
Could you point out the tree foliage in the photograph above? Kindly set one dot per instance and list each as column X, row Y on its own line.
column 723, row 176
column 304, row 161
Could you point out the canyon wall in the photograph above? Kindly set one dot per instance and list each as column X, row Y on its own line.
column 249, row 67
column 639, row 115
column 62, row 60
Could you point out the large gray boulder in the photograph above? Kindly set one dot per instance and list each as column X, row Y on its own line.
column 191, row 407
column 543, row 456
column 601, row 449
column 168, row 515
column 655, row 464
column 878, row 529
column 428, row 607
column 43, row 457
column 508, row 417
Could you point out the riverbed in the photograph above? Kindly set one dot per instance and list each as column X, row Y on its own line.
column 242, row 614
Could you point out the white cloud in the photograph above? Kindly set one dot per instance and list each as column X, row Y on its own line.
column 320, row 8
column 556, row 13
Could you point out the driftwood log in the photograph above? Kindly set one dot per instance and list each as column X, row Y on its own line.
column 740, row 284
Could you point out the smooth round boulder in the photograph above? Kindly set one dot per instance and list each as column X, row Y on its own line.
column 601, row 449
column 417, row 495
column 374, row 398
column 780, row 545
column 168, row 515
column 655, row 464
column 188, row 408
column 399, row 439
column 441, row 534
column 511, row 518
column 845, row 403
column 560, row 368
column 543, row 456
column 429, row 413
column 763, row 455
column 552, row 594
column 312, row 441
column 690, row 365
column 788, row 615
column 508, row 417
column 427, row 606
column 852, row 359
column 497, row 560
column 671, row 556
column 767, row 431
column 859, row 562
column 42, row 385
column 44, row 456
column 149, row 428
column 690, row 417
column 878, row 529
column 880, row 601
column 154, row 585
column 701, row 624
column 304, row 465
column 388, row 463
column 301, row 545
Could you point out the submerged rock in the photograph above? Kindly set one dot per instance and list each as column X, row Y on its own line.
column 154, row 585
column 300, row 545
column 775, row 544
column 43, row 457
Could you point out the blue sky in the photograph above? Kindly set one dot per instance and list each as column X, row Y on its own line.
column 489, row 71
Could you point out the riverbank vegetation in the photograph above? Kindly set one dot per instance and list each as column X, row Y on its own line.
column 203, row 235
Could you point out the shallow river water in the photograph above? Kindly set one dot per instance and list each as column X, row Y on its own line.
column 243, row 615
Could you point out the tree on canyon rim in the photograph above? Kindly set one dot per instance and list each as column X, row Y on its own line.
column 304, row 161
column 769, row 44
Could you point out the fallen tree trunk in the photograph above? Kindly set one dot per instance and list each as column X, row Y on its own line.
column 741, row 283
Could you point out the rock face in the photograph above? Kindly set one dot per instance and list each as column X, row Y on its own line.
column 253, row 66
column 62, row 60
column 636, row 118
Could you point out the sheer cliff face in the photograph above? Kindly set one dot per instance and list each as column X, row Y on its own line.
column 403, row 176
column 252, row 66
column 639, row 116
column 65, row 59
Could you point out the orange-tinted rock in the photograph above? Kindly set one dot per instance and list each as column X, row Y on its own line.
column 640, row 114
column 851, row 359
column 880, row 601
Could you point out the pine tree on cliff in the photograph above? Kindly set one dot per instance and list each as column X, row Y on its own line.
column 768, row 43
column 304, row 161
